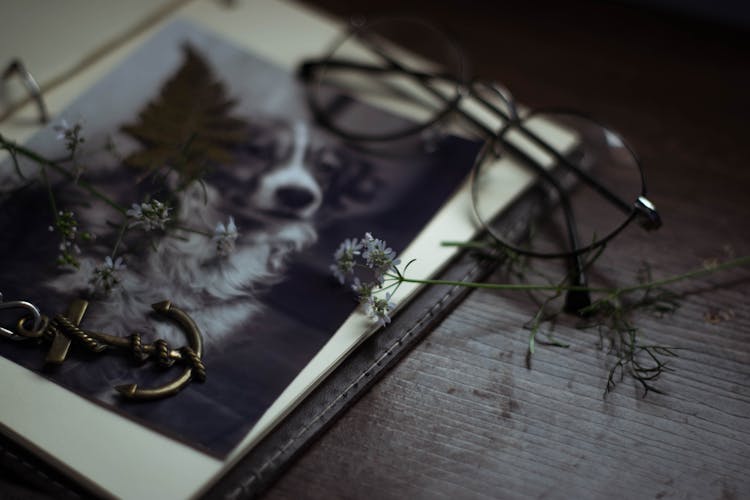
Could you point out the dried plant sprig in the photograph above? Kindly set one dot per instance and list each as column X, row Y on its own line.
column 644, row 363
column 610, row 314
column 73, row 138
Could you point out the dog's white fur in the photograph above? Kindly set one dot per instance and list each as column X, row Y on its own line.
column 217, row 292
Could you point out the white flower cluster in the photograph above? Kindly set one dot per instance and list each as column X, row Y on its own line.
column 344, row 259
column 376, row 256
column 70, row 134
column 107, row 276
column 67, row 225
column 149, row 215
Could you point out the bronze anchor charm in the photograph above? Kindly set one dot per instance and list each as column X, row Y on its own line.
column 62, row 330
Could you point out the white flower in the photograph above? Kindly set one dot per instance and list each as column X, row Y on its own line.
column 379, row 308
column 149, row 215
column 62, row 129
column 107, row 276
column 135, row 212
column 363, row 290
column 343, row 265
column 378, row 256
column 225, row 237
column 67, row 225
column 71, row 135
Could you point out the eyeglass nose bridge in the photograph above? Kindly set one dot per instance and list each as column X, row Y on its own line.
column 646, row 214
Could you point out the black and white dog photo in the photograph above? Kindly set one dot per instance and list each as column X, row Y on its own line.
column 252, row 227
column 239, row 225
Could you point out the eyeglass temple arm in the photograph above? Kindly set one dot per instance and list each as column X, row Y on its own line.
column 308, row 67
column 648, row 216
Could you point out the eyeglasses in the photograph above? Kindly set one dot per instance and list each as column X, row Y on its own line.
column 553, row 151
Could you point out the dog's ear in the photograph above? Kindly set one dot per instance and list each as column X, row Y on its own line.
column 353, row 181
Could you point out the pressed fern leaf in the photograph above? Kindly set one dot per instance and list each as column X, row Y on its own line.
column 188, row 127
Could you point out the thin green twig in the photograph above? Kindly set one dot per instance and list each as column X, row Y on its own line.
column 62, row 171
column 50, row 195
column 613, row 292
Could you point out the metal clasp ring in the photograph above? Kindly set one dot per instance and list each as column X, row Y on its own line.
column 20, row 304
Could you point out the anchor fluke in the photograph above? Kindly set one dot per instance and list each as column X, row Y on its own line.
column 191, row 354
column 127, row 390
column 162, row 307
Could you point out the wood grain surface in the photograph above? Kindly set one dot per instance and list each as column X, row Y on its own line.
column 462, row 416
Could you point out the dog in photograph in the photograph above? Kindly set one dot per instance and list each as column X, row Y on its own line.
column 286, row 178
column 280, row 181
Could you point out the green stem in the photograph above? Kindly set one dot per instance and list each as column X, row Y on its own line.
column 741, row 261
column 51, row 195
column 120, row 236
column 45, row 162
column 499, row 286
column 192, row 230
column 14, row 159
column 695, row 273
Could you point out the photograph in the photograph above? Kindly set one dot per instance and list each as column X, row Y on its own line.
column 191, row 190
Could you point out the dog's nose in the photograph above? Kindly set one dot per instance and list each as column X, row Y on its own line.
column 293, row 197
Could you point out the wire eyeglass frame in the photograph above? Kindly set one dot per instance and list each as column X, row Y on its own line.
column 495, row 141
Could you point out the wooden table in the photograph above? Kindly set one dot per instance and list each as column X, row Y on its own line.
column 462, row 416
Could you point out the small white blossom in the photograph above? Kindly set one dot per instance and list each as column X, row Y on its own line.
column 369, row 252
column 363, row 290
column 71, row 135
column 67, row 225
column 62, row 129
column 107, row 276
column 344, row 262
column 149, row 215
column 225, row 237
column 378, row 256
column 379, row 308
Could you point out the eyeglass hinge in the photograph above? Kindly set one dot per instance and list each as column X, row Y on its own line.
column 647, row 215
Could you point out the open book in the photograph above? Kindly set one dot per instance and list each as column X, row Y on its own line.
column 275, row 322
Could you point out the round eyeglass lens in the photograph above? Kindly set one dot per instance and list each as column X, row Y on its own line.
column 580, row 179
column 367, row 72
